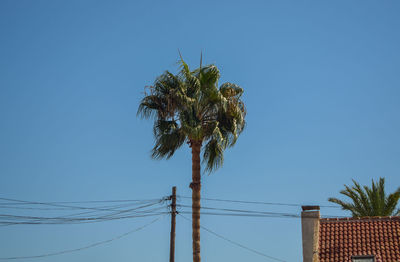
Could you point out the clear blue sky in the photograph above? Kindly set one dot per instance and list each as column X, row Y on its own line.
column 322, row 89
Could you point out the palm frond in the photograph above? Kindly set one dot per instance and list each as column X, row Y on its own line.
column 349, row 192
column 369, row 201
column 192, row 82
column 213, row 155
column 365, row 204
column 391, row 202
column 152, row 106
column 167, row 143
column 230, row 90
column 208, row 76
column 345, row 206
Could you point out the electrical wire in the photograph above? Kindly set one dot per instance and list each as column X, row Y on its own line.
column 241, row 210
column 79, row 222
column 100, row 214
column 239, row 214
column 256, row 202
column 35, row 207
column 56, row 204
column 235, row 243
column 126, row 209
column 246, row 213
column 21, row 202
column 85, row 247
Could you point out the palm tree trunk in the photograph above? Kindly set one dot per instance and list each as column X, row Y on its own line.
column 196, row 187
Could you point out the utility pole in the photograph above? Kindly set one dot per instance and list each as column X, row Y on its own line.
column 173, row 222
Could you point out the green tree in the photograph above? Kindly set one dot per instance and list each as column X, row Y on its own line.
column 190, row 107
column 369, row 201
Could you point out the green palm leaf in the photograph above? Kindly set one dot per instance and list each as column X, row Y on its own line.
column 369, row 201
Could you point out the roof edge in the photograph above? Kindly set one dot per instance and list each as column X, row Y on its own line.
column 355, row 219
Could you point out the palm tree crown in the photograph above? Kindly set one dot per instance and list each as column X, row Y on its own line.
column 366, row 201
column 189, row 107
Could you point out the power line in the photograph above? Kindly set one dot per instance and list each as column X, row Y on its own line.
column 126, row 210
column 56, row 204
column 114, row 208
column 242, row 210
column 117, row 211
column 132, row 210
column 253, row 215
column 101, row 214
column 21, row 202
column 85, row 247
column 7, row 223
column 236, row 243
column 257, row 202
column 246, row 213
column 238, row 215
column 34, row 206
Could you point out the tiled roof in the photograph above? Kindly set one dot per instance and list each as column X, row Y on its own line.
column 340, row 239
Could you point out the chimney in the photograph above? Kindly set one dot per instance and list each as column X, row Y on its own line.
column 310, row 233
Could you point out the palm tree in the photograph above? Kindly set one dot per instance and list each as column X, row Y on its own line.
column 189, row 107
column 367, row 201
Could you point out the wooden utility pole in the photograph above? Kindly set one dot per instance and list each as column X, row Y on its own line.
column 173, row 222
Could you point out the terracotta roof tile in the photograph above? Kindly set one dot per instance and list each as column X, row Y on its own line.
column 342, row 238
